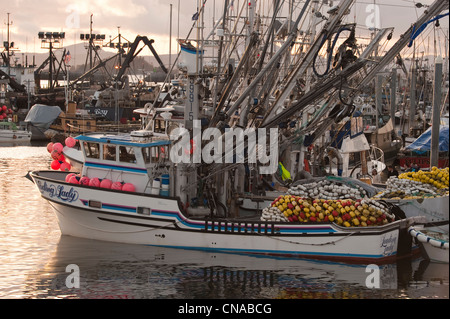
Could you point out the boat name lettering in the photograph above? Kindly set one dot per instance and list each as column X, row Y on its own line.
column 101, row 112
column 389, row 244
column 59, row 192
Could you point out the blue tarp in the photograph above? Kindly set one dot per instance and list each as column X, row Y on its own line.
column 423, row 142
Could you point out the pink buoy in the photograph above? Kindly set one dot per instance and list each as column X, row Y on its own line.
column 58, row 147
column 105, row 183
column 74, row 180
column 50, row 147
column 116, row 186
column 68, row 176
column 55, row 165
column 84, row 180
column 70, row 141
column 128, row 187
column 65, row 167
column 56, row 155
column 94, row 182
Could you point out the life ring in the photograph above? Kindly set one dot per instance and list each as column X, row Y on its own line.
column 427, row 239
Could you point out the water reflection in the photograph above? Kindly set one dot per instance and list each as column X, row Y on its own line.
column 110, row 270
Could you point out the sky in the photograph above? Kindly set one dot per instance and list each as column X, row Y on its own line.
column 152, row 18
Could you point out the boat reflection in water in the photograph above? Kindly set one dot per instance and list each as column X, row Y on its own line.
column 111, row 270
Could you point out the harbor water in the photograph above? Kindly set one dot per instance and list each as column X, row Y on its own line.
column 37, row 262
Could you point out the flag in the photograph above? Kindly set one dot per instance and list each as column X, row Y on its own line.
column 232, row 5
column 67, row 57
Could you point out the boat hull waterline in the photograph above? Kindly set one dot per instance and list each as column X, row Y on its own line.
column 101, row 214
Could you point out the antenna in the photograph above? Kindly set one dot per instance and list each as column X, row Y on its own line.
column 8, row 45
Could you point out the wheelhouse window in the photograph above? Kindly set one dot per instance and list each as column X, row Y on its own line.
column 126, row 154
column 159, row 126
column 109, row 152
column 164, row 152
column 146, row 154
column 92, row 150
column 155, row 154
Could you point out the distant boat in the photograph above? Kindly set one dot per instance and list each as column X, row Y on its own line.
column 39, row 119
column 10, row 132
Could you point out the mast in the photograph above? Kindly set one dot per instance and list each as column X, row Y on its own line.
column 412, row 93
column 327, row 31
column 8, row 45
column 393, row 94
column 219, row 53
column 91, row 42
column 434, row 156
column 170, row 39
column 270, row 63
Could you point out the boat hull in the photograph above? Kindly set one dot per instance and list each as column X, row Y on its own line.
column 436, row 254
column 101, row 214
column 435, row 210
column 434, row 244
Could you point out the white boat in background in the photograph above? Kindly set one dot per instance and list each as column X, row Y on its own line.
column 435, row 210
column 435, row 244
column 10, row 132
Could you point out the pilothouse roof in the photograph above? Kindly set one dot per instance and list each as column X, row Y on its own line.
column 125, row 139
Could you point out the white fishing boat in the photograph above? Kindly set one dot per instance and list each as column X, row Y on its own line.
column 9, row 132
column 150, row 200
column 435, row 210
column 150, row 214
column 435, row 244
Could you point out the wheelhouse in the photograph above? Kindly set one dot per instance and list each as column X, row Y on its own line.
column 124, row 158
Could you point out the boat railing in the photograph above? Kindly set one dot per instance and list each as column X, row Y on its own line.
column 373, row 153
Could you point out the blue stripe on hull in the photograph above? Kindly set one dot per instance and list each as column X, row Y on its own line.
column 116, row 167
column 215, row 227
column 280, row 252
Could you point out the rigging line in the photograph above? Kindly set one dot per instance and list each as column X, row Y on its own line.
column 406, row 52
column 387, row 4
column 417, row 31
column 415, row 9
column 298, row 54
column 166, row 80
column 332, row 242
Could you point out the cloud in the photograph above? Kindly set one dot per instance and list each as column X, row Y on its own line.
column 151, row 18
